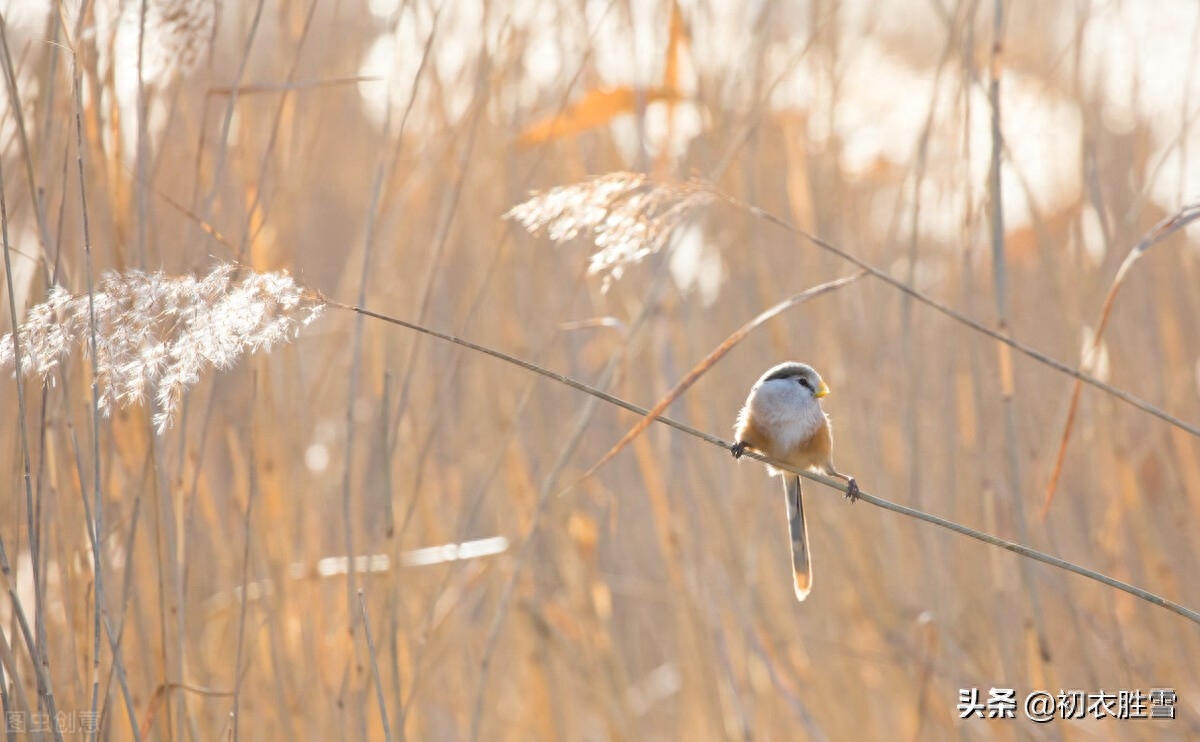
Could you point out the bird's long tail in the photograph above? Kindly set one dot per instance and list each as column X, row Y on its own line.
column 801, row 561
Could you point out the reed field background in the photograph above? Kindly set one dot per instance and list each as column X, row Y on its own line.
column 264, row 567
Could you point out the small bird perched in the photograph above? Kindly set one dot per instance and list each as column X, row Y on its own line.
column 783, row 419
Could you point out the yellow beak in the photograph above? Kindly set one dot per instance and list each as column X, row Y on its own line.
column 821, row 390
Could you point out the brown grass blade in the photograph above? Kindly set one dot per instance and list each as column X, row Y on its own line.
column 676, row 40
column 208, row 228
column 160, row 692
column 701, row 368
column 595, row 108
column 1165, row 228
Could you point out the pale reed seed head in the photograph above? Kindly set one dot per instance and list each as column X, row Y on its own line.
column 176, row 40
column 627, row 216
column 155, row 334
column 177, row 34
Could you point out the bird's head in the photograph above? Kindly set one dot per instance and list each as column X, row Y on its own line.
column 804, row 376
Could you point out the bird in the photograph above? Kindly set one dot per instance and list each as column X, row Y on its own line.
column 783, row 419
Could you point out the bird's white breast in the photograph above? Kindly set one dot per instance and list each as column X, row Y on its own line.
column 786, row 413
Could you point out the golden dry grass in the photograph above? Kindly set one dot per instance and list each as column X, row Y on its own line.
column 653, row 600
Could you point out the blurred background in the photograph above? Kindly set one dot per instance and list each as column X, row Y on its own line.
column 372, row 147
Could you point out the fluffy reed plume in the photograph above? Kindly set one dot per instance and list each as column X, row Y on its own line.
column 177, row 34
column 155, row 333
column 628, row 216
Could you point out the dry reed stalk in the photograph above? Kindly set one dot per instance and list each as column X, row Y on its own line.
column 161, row 691
column 632, row 216
column 35, row 641
column 692, row 376
column 252, row 493
column 1006, row 373
column 545, row 492
column 362, row 605
column 1012, row 546
column 1091, row 352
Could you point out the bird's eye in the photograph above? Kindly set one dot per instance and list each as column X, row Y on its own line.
column 804, row 382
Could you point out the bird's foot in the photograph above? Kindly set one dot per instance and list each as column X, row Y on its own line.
column 738, row 449
column 852, row 490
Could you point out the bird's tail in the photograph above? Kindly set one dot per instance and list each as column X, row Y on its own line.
column 801, row 561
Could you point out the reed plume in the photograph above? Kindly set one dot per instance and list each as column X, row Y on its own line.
column 155, row 334
column 627, row 215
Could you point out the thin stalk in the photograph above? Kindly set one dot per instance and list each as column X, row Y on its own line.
column 836, row 484
column 1007, row 373
column 362, row 604
column 237, row 664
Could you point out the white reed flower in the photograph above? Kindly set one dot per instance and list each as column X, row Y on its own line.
column 627, row 216
column 155, row 334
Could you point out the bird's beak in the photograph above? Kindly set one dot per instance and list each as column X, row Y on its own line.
column 821, row 390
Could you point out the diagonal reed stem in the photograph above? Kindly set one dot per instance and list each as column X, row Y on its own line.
column 986, row 538
column 1165, row 228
